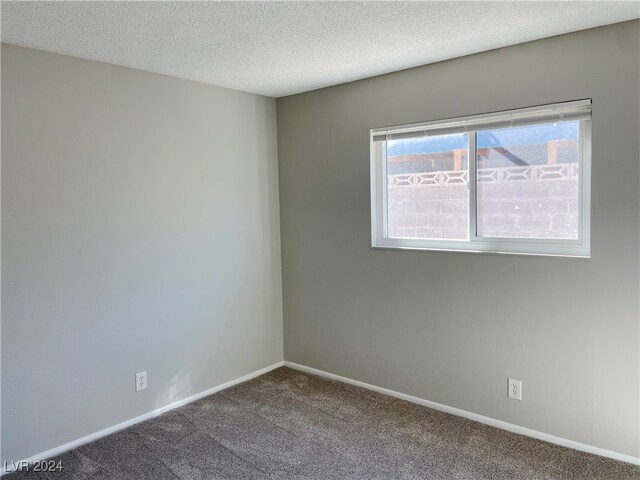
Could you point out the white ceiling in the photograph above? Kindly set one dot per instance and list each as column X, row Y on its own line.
column 282, row 48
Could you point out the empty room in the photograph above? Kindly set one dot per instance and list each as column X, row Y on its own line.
column 320, row 240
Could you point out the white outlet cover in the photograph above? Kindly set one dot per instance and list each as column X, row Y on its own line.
column 141, row 381
column 514, row 390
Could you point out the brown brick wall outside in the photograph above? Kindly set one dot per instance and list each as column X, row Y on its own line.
column 539, row 208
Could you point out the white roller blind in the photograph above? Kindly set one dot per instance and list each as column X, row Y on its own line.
column 559, row 112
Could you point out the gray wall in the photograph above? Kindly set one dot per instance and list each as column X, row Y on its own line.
column 140, row 231
column 451, row 327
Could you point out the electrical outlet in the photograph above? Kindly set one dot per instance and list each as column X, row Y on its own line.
column 514, row 389
column 141, row 381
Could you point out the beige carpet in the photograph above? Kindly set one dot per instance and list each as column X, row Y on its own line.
column 290, row 425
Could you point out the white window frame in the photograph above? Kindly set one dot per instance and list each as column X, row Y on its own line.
column 575, row 110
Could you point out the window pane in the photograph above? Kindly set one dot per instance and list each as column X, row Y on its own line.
column 427, row 194
column 528, row 182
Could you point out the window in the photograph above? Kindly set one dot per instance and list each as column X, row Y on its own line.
column 505, row 182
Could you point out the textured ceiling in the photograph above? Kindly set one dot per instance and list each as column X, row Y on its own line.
column 282, row 48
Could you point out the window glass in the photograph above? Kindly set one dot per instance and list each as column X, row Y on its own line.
column 427, row 193
column 527, row 182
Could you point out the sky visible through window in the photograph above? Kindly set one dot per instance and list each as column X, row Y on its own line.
column 539, row 134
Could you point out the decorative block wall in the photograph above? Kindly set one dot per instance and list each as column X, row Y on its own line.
column 532, row 201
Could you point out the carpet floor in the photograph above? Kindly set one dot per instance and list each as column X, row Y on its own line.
column 291, row 425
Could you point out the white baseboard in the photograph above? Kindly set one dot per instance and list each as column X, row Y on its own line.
column 146, row 416
column 473, row 416
column 436, row 406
